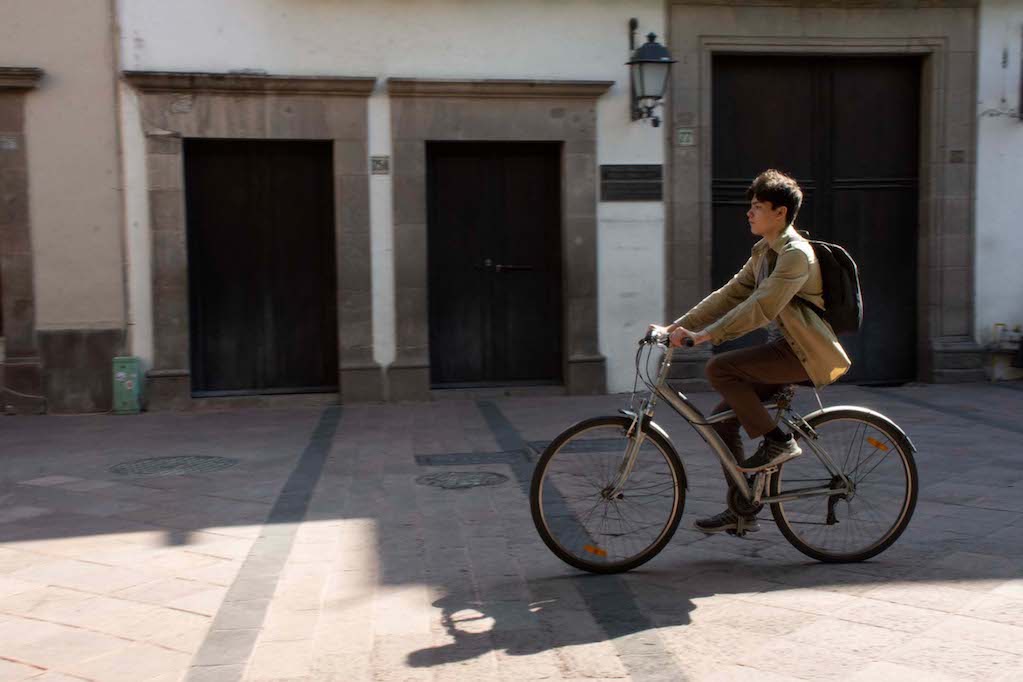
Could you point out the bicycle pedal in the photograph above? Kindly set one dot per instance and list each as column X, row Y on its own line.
column 740, row 529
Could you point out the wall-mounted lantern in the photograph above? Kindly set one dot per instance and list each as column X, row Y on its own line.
column 649, row 69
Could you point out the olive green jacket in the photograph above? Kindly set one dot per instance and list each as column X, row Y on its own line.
column 758, row 295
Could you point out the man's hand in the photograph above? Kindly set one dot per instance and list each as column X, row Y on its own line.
column 677, row 335
column 680, row 334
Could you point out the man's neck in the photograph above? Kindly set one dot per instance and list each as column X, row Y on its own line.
column 773, row 236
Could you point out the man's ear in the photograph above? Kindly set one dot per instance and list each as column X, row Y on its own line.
column 784, row 214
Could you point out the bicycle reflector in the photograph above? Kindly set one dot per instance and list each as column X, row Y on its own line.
column 595, row 550
column 877, row 444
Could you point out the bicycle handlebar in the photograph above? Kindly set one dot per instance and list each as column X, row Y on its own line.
column 663, row 340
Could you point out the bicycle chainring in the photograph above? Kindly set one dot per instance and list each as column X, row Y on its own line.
column 740, row 505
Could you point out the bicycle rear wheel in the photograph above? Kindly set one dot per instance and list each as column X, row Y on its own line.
column 571, row 509
column 878, row 459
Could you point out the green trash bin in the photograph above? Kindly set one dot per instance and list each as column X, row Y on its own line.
column 128, row 381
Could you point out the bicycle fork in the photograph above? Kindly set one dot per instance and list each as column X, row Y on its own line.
column 635, row 436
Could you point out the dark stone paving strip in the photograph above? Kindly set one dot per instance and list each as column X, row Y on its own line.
column 976, row 416
column 608, row 598
column 232, row 636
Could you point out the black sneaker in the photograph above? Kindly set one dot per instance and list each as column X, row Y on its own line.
column 726, row 521
column 771, row 453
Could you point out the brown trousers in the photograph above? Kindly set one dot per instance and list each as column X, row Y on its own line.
column 745, row 378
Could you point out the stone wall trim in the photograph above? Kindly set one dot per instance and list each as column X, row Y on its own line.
column 236, row 83
column 441, row 116
column 178, row 106
column 835, row 4
column 19, row 78
column 21, row 370
column 945, row 40
column 497, row 88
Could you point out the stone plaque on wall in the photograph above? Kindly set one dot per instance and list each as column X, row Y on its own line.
column 630, row 182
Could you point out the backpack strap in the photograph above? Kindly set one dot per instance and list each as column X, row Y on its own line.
column 811, row 306
column 771, row 263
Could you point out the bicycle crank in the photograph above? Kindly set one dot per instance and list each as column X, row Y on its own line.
column 740, row 506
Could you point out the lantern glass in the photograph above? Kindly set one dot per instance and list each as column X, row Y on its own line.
column 653, row 79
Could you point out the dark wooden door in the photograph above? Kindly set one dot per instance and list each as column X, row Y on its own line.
column 262, row 279
column 494, row 254
column 847, row 129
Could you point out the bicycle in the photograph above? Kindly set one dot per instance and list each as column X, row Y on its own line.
column 608, row 493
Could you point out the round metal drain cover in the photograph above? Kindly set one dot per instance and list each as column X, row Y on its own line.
column 173, row 466
column 454, row 480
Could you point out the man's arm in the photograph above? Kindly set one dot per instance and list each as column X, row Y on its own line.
column 737, row 290
column 766, row 301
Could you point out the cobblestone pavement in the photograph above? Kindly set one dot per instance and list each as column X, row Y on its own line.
column 318, row 556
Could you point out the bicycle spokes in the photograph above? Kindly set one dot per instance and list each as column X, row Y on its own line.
column 876, row 479
column 594, row 514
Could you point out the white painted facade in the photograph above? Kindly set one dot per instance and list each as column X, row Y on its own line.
column 999, row 247
column 534, row 39
column 74, row 179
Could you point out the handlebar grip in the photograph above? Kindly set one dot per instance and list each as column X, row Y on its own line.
column 688, row 342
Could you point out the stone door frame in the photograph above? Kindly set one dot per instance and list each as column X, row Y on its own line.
column 21, row 378
column 946, row 44
column 495, row 111
column 176, row 105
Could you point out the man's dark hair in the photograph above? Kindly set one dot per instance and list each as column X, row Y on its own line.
column 780, row 190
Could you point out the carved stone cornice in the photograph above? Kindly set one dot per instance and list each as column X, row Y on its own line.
column 497, row 88
column 19, row 78
column 248, row 83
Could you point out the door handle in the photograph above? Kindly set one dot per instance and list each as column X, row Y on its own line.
column 511, row 268
column 487, row 265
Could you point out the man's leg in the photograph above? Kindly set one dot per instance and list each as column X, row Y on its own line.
column 745, row 378
column 737, row 376
column 729, row 432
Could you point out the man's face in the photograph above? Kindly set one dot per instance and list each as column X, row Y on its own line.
column 764, row 218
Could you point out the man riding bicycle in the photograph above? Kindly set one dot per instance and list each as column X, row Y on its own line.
column 781, row 270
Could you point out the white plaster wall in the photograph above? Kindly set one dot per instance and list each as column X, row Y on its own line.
column 999, row 251
column 381, row 225
column 71, row 137
column 631, row 284
column 568, row 39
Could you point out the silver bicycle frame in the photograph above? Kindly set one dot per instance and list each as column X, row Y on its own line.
column 704, row 426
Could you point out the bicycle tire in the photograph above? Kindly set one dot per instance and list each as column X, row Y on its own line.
column 536, row 502
column 905, row 451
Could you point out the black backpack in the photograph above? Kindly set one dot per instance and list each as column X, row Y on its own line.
column 843, row 300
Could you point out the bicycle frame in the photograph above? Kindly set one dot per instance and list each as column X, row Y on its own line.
column 704, row 426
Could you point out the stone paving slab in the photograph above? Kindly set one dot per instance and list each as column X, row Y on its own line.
column 318, row 556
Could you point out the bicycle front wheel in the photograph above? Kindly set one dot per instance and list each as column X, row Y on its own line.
column 580, row 522
column 878, row 459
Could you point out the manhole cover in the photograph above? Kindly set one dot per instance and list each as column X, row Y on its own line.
column 453, row 480
column 173, row 466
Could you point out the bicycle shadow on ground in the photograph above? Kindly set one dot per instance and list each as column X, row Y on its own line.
column 635, row 611
column 573, row 610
